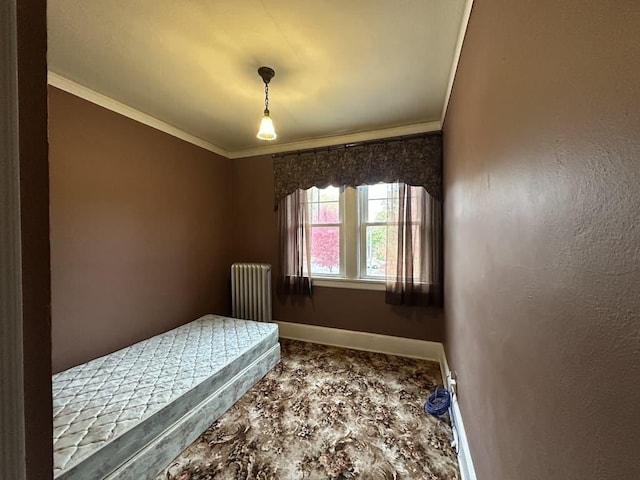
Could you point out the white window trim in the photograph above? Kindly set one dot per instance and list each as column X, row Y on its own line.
column 340, row 224
column 352, row 273
column 351, row 283
column 363, row 223
column 350, row 257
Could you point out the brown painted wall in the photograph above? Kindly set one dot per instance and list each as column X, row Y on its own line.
column 138, row 230
column 256, row 240
column 34, row 218
column 542, row 207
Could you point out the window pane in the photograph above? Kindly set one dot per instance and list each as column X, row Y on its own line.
column 313, row 213
column 325, row 250
column 382, row 202
column 382, row 239
column 417, row 197
column 324, row 205
column 417, row 259
column 376, row 249
column 312, row 195
column 376, row 211
column 380, row 190
column 329, row 194
column 324, row 212
column 382, row 211
column 328, row 212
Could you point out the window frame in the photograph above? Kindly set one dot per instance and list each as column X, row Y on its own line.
column 353, row 208
column 363, row 223
column 351, row 247
column 339, row 224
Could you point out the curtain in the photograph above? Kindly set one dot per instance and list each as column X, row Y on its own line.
column 414, row 268
column 294, row 238
column 414, row 247
column 413, row 160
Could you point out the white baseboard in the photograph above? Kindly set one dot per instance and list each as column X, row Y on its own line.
column 370, row 342
column 467, row 471
column 405, row 347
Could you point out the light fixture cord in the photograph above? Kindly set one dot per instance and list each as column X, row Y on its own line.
column 266, row 97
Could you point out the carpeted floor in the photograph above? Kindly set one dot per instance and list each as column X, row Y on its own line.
column 327, row 413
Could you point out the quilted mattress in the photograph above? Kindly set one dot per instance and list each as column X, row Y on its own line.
column 107, row 409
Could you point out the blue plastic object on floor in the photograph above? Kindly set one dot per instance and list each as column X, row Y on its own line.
column 438, row 402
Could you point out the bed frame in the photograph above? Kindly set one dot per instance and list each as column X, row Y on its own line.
column 130, row 413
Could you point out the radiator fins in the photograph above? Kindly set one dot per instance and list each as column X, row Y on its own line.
column 251, row 291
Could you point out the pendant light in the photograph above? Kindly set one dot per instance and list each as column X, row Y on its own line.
column 266, row 131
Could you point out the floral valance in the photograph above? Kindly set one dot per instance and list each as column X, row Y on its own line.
column 414, row 161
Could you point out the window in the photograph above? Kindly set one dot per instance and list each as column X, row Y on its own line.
column 353, row 232
column 378, row 217
column 325, row 223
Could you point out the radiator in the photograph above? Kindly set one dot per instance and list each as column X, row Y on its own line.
column 251, row 291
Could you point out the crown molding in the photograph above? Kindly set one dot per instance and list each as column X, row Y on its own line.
column 464, row 23
column 109, row 103
column 341, row 139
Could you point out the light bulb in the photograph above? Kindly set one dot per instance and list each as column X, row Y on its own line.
column 266, row 131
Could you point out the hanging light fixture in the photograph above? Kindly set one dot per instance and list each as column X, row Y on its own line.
column 266, row 131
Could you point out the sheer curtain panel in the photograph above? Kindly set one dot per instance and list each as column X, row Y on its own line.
column 294, row 239
column 414, row 248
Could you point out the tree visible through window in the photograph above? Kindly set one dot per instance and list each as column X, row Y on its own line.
column 379, row 222
column 370, row 213
column 379, row 206
column 325, row 225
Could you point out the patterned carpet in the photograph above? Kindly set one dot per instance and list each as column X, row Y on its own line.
column 327, row 413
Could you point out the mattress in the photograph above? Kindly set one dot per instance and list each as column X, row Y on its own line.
column 105, row 410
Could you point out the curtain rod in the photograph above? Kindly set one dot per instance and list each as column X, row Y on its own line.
column 356, row 144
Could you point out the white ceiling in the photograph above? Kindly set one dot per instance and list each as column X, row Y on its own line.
column 371, row 67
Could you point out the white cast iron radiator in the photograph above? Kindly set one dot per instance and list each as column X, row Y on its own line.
column 251, row 291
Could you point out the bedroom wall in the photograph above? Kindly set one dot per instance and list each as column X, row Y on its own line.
column 138, row 230
column 542, row 207
column 256, row 240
